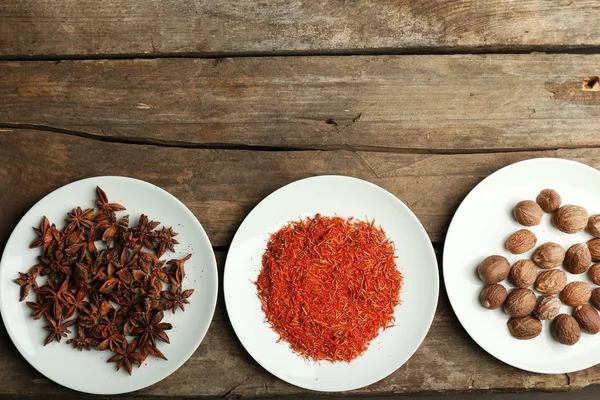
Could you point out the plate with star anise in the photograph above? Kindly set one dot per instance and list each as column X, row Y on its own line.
column 112, row 290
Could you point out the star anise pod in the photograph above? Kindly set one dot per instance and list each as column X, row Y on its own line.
column 128, row 301
column 127, row 355
column 147, row 261
column 39, row 307
column 77, row 303
column 152, row 298
column 112, row 228
column 55, row 267
column 165, row 240
column 81, row 275
column 89, row 315
column 176, row 271
column 73, row 235
column 104, row 205
column 57, row 296
column 58, row 329
column 47, row 234
column 150, row 328
column 145, row 228
column 82, row 340
column 108, row 323
column 28, row 281
column 91, row 241
column 154, row 351
column 80, row 218
column 176, row 298
column 76, row 250
column 119, row 282
column 113, row 341
column 130, row 319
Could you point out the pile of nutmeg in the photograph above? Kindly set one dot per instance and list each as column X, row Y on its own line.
column 526, row 309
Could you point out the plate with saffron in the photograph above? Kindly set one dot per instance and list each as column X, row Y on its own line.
column 331, row 283
column 104, row 285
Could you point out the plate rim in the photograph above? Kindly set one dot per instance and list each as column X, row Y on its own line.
column 213, row 302
column 430, row 254
column 444, row 263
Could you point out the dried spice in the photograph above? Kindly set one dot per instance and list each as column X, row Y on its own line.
column 329, row 285
column 106, row 280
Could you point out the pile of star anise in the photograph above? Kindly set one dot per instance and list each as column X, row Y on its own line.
column 111, row 292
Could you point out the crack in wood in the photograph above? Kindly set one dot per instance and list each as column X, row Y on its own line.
column 230, row 394
column 7, row 127
column 408, row 51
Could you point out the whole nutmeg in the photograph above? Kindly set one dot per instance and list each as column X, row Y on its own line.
column 547, row 307
column 551, row 282
column 493, row 269
column 570, row 219
column 594, row 273
column 565, row 329
column 595, row 299
column 521, row 241
column 549, row 255
column 528, row 213
column 578, row 258
column 594, row 247
column 588, row 319
column 524, row 328
column 519, row 303
column 593, row 225
column 576, row 293
column 523, row 273
column 493, row 296
column 548, row 200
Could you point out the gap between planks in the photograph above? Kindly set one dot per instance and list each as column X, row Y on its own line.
column 7, row 127
column 407, row 51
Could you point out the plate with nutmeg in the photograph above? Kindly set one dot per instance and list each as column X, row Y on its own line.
column 522, row 265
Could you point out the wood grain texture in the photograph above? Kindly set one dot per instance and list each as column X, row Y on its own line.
column 220, row 187
column 464, row 103
column 204, row 27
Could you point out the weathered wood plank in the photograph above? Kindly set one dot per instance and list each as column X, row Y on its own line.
column 394, row 103
column 84, row 28
column 220, row 187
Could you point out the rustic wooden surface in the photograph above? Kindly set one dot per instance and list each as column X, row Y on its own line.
column 220, row 187
column 453, row 104
column 321, row 93
column 170, row 27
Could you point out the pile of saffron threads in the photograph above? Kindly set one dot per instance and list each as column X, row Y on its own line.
column 329, row 285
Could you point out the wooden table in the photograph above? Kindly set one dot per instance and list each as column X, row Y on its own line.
column 222, row 102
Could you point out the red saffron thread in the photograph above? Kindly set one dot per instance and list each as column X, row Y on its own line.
column 329, row 285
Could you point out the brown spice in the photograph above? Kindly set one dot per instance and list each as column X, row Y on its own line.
column 521, row 241
column 551, row 282
column 570, row 219
column 493, row 296
column 118, row 291
column 593, row 226
column 578, row 258
column 576, row 293
column 528, row 213
column 549, row 200
column 549, row 255
column 594, row 273
column 523, row 273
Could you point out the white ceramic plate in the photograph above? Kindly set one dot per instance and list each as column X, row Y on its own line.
column 345, row 197
column 88, row 371
column 480, row 227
